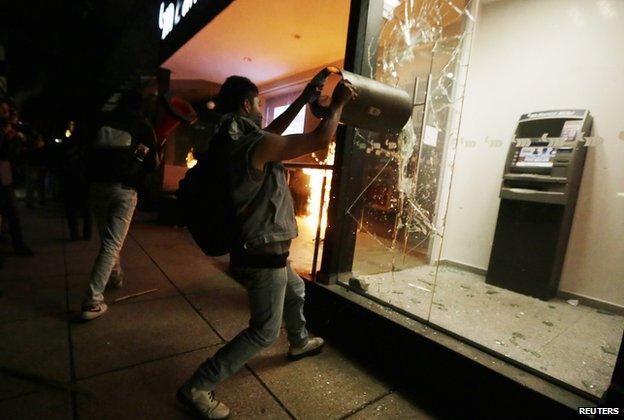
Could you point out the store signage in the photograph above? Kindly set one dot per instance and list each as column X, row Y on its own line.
column 554, row 114
column 171, row 13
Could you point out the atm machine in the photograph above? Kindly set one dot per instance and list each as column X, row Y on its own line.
column 538, row 194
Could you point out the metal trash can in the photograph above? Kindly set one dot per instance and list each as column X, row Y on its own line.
column 378, row 107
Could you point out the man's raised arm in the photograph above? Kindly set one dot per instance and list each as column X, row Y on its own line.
column 275, row 148
column 281, row 123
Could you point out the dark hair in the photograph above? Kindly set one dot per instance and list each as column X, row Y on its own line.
column 7, row 101
column 233, row 93
column 131, row 100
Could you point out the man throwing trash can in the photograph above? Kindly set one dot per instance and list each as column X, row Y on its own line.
column 265, row 225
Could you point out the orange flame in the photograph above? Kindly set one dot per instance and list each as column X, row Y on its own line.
column 315, row 186
column 190, row 159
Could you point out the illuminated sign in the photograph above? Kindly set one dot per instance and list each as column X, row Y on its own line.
column 171, row 13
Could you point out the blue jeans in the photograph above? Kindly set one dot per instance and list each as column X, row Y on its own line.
column 113, row 207
column 273, row 293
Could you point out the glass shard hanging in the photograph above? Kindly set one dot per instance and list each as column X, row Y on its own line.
column 419, row 51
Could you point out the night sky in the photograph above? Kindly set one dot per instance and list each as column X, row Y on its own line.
column 59, row 52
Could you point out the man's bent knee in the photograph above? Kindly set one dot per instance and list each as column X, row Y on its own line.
column 264, row 337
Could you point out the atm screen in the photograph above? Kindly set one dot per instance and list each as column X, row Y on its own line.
column 536, row 157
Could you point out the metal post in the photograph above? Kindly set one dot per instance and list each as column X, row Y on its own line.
column 317, row 239
column 365, row 20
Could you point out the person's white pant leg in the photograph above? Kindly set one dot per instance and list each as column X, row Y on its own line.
column 115, row 205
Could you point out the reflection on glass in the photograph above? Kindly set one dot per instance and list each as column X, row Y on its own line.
column 298, row 123
column 421, row 50
column 428, row 211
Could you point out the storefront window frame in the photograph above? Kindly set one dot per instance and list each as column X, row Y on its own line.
column 365, row 22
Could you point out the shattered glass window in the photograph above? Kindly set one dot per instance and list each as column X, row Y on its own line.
column 422, row 50
column 431, row 198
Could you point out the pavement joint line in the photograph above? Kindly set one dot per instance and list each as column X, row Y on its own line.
column 367, row 404
column 197, row 311
column 20, row 395
column 34, row 317
column 72, row 367
column 43, row 277
column 40, row 380
column 207, row 292
column 145, row 362
column 266, row 387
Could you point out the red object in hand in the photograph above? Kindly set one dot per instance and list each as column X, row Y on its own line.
column 176, row 111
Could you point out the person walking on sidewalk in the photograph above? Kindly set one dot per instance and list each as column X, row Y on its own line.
column 9, row 146
column 265, row 226
column 124, row 150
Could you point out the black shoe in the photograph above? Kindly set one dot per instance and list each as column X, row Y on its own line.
column 24, row 251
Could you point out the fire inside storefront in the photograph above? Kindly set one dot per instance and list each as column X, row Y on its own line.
column 484, row 219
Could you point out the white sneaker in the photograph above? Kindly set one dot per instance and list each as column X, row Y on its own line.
column 312, row 348
column 93, row 311
column 202, row 402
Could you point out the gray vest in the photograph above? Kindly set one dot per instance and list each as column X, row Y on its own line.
column 263, row 205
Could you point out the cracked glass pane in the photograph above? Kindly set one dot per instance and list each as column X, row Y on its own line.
column 420, row 50
column 460, row 221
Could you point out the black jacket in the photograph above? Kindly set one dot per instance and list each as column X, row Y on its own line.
column 119, row 162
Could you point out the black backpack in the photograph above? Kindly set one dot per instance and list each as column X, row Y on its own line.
column 116, row 152
column 204, row 201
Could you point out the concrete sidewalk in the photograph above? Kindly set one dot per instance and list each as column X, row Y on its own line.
column 129, row 363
